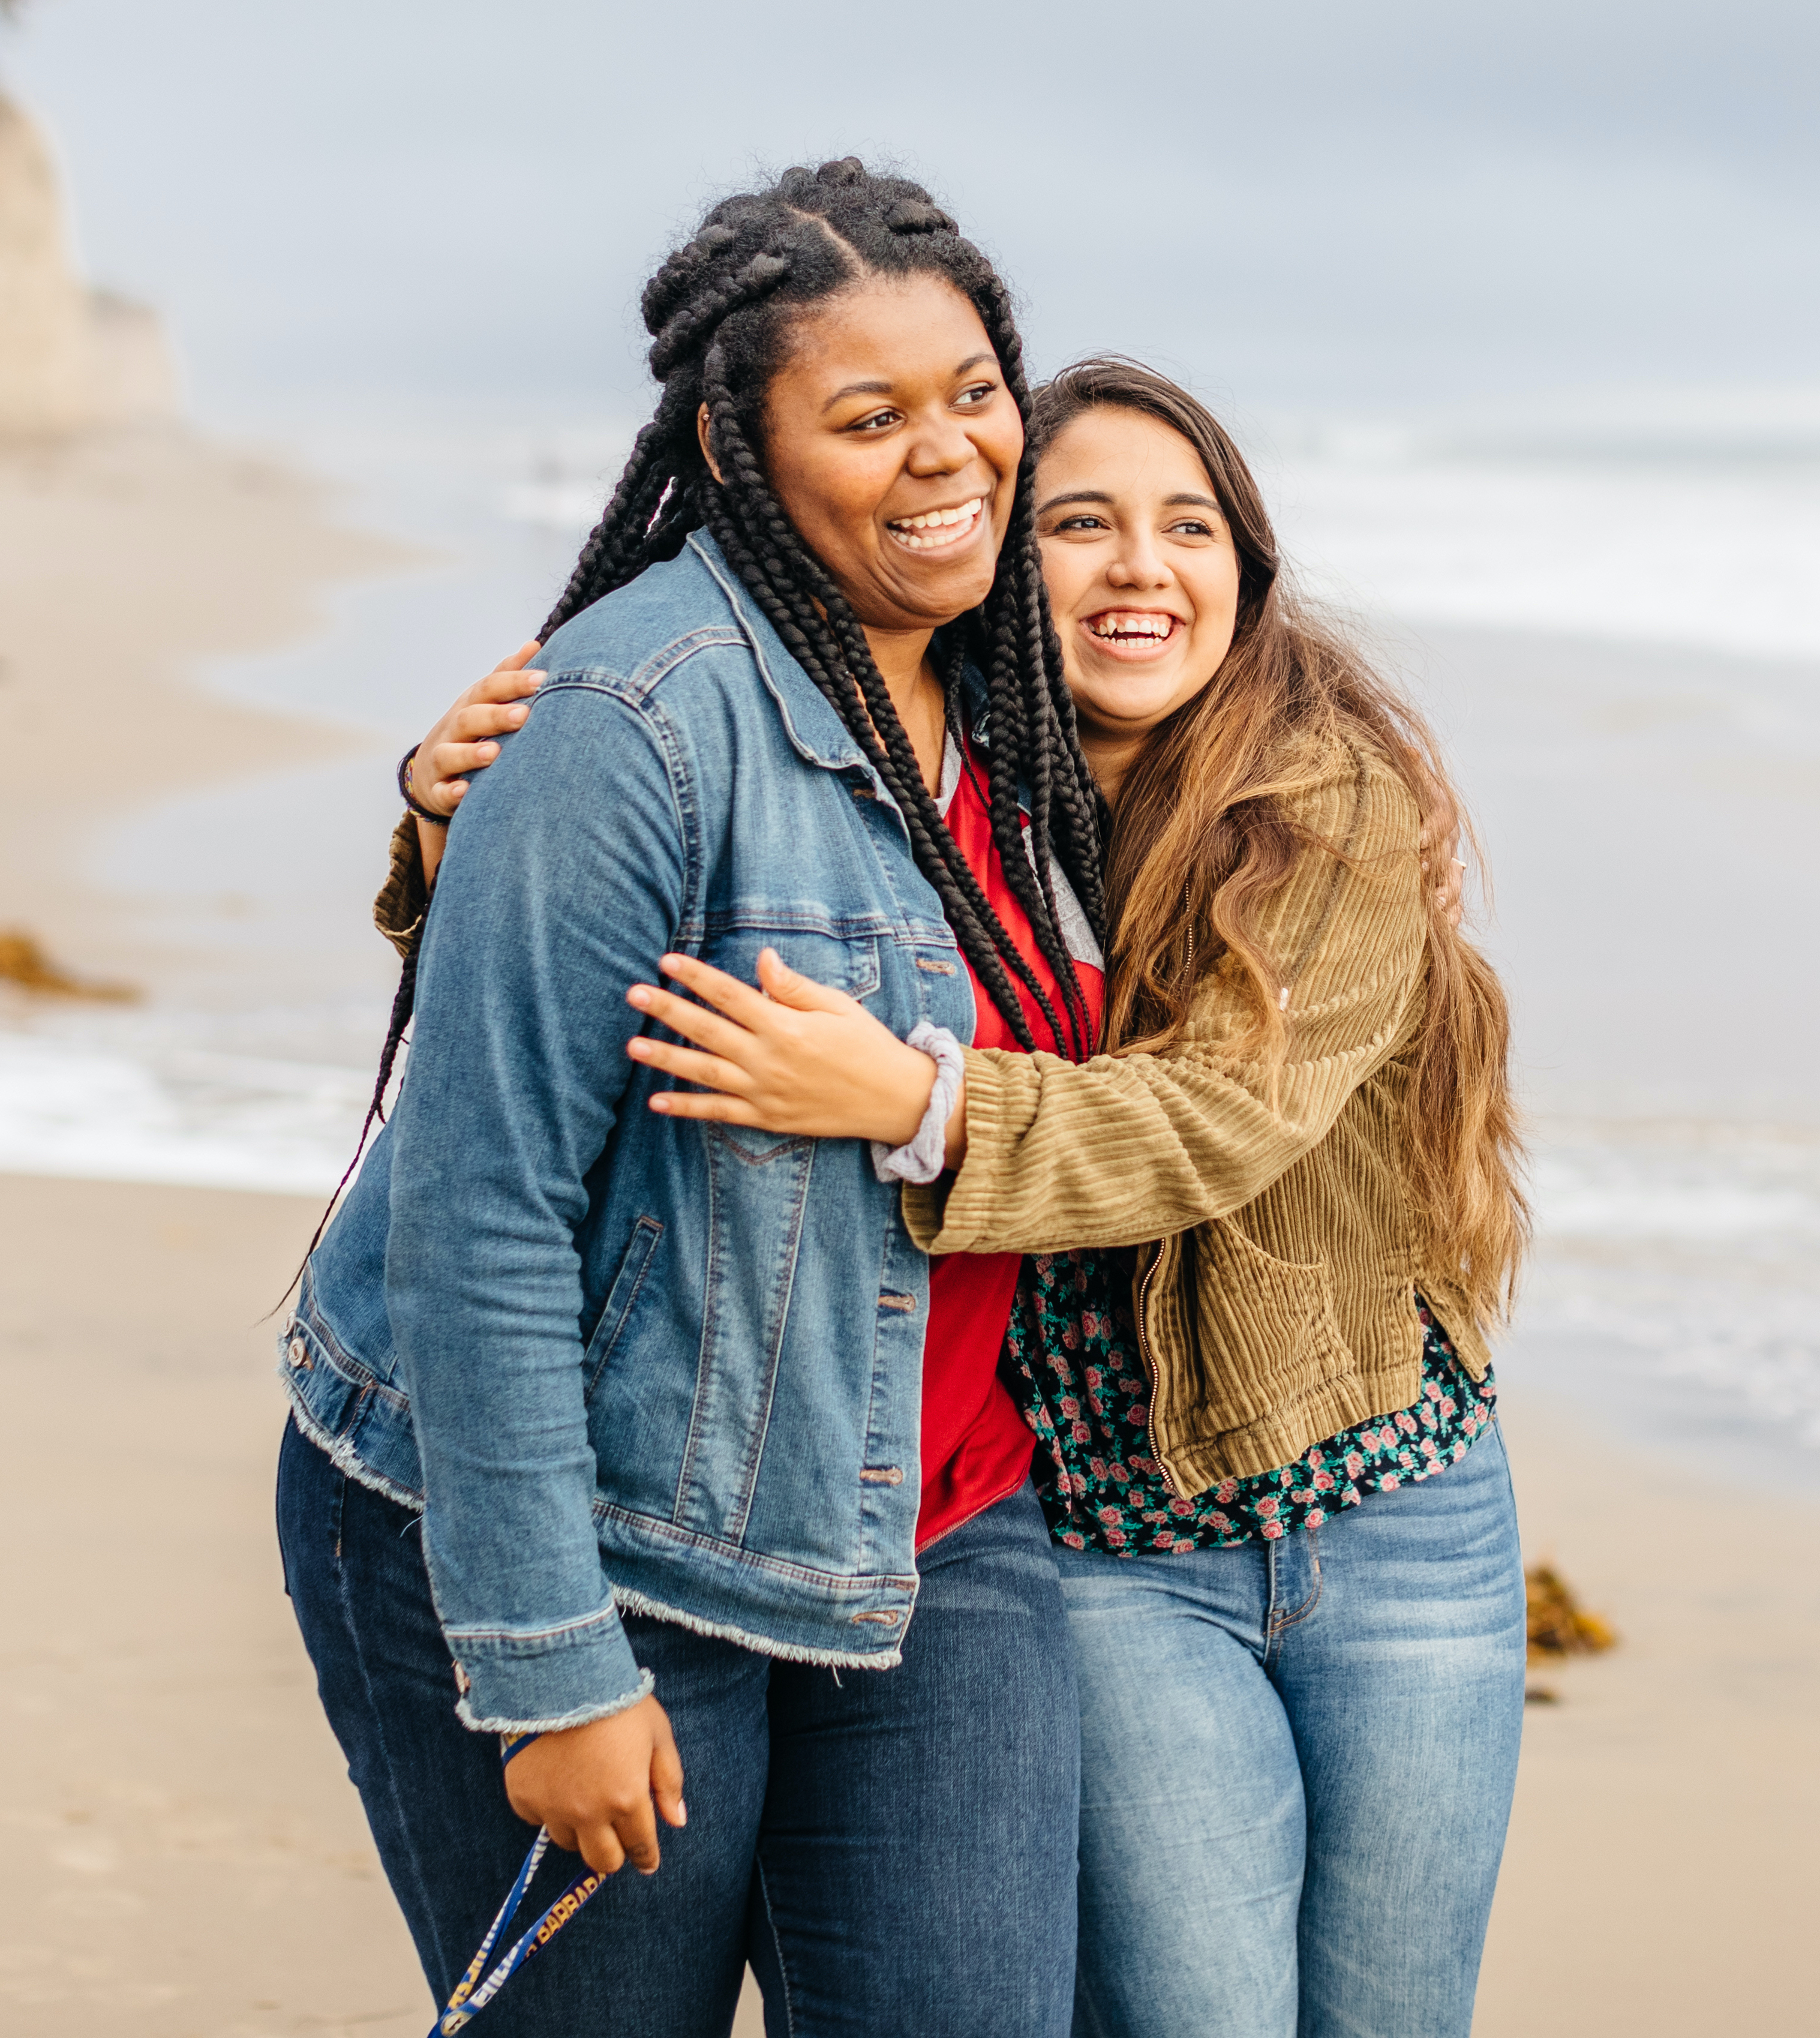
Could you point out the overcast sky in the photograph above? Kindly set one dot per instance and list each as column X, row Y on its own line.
column 1324, row 204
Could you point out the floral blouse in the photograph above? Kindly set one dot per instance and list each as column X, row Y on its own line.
column 1072, row 1359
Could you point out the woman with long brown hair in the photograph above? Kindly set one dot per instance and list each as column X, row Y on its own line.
column 1269, row 1224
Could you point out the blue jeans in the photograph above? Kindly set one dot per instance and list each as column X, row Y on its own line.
column 893, row 1851
column 1297, row 1760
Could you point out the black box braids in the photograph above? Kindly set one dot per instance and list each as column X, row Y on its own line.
column 719, row 311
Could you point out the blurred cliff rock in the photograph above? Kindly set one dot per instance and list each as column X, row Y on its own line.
column 70, row 357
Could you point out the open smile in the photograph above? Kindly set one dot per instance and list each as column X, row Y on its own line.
column 938, row 530
column 1132, row 633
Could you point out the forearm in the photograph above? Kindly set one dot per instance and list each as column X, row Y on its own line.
column 417, row 852
column 431, row 842
column 483, row 1287
column 399, row 908
column 1112, row 1151
column 1122, row 1149
column 493, row 1369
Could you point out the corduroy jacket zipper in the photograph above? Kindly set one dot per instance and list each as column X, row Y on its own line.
column 1144, row 1350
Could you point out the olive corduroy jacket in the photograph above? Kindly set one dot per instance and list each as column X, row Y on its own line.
column 1275, row 1292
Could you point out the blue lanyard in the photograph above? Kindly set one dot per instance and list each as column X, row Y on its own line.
column 471, row 1994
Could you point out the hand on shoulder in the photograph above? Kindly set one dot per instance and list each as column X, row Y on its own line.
column 462, row 742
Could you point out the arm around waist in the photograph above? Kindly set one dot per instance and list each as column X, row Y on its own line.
column 1127, row 1148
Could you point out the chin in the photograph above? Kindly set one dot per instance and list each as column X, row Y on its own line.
column 957, row 592
column 1135, row 688
column 1120, row 703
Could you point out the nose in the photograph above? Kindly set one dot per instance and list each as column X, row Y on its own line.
column 1138, row 563
column 941, row 446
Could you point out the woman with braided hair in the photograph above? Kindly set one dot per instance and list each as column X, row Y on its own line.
column 623, row 1449
column 1267, row 1230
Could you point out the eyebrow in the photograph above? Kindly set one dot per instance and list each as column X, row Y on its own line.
column 1073, row 495
column 879, row 388
column 1100, row 495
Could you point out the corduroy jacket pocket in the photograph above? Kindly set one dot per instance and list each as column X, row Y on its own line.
column 1265, row 1333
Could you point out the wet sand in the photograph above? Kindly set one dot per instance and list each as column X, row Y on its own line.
column 1660, row 1873
column 126, row 561
column 185, row 1856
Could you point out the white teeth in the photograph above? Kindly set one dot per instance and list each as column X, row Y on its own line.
column 933, row 520
column 1155, row 627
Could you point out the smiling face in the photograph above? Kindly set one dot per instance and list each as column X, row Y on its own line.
column 1142, row 573
column 892, row 443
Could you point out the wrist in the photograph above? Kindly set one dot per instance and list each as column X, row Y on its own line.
column 406, row 786
column 432, row 840
column 922, row 1157
column 915, row 1081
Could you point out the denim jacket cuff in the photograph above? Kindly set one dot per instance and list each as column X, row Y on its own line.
column 541, row 1680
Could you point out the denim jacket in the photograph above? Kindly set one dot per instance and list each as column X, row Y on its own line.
column 622, row 1361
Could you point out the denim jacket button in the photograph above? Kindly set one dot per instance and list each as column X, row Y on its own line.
column 299, row 1354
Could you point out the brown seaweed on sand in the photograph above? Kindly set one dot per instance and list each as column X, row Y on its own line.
column 23, row 962
column 1558, row 1625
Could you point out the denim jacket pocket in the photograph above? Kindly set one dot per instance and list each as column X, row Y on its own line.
column 633, row 1268
column 833, row 950
column 826, row 954
column 757, row 1190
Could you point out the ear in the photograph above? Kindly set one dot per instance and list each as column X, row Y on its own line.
column 707, row 450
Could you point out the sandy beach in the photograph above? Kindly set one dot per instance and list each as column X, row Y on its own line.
column 126, row 561
column 185, row 1856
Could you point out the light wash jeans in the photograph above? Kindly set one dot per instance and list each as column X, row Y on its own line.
column 1297, row 1760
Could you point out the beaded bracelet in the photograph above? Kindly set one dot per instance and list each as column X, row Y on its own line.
column 410, row 798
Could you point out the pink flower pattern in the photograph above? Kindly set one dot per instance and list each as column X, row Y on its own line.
column 1098, row 1484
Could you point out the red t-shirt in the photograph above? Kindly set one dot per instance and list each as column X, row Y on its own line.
column 976, row 1445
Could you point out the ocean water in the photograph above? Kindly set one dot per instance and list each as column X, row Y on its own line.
column 1613, row 616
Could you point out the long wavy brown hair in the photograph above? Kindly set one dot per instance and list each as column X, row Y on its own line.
column 1202, row 839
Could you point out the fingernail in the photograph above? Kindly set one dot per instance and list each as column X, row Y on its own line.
column 660, row 1102
column 638, row 995
column 682, row 1812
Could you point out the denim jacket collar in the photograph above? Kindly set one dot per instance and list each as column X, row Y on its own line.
column 814, row 731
